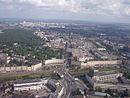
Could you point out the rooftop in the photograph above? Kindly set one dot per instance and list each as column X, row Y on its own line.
column 105, row 73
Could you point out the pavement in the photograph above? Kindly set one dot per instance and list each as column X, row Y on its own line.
column 68, row 84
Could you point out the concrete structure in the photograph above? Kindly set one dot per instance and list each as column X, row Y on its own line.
column 4, row 57
column 30, row 85
column 98, row 63
column 18, row 57
column 68, row 84
column 36, row 66
column 18, row 68
column 75, row 52
column 118, row 87
column 102, row 49
column 5, row 87
column 21, row 68
column 106, row 76
column 85, row 58
column 54, row 61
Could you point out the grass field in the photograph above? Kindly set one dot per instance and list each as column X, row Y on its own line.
column 32, row 75
column 24, row 76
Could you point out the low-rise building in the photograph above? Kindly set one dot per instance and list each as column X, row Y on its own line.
column 29, row 85
column 54, row 61
column 113, row 87
column 6, row 87
column 106, row 76
column 4, row 58
column 101, row 63
column 36, row 66
column 18, row 57
column 21, row 68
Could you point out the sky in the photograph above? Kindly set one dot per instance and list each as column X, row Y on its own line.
column 85, row 10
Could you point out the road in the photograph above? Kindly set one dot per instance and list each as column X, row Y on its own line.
column 68, row 84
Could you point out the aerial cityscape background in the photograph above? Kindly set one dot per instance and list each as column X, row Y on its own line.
column 64, row 49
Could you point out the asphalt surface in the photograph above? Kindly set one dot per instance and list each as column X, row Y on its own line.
column 68, row 84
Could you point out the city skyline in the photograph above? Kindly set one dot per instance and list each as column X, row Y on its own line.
column 90, row 10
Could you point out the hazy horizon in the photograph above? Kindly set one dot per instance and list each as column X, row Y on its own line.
column 117, row 11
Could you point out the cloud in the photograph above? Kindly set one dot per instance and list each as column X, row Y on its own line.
column 33, row 2
column 106, row 7
column 6, row 0
column 10, row 7
column 127, row 11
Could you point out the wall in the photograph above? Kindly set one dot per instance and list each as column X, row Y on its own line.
column 107, row 78
column 54, row 61
column 36, row 66
column 93, row 63
column 21, row 68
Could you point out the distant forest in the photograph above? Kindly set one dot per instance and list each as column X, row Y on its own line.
column 19, row 36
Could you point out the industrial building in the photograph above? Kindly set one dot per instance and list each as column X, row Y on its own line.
column 30, row 85
column 106, row 76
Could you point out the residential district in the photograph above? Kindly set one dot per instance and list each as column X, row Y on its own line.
column 64, row 60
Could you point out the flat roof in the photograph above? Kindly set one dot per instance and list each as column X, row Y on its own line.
column 106, row 73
